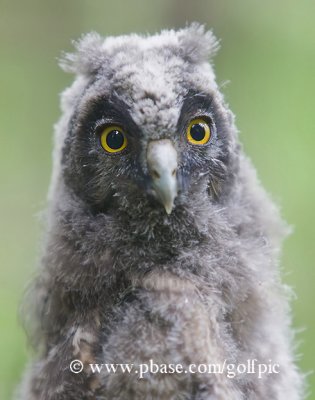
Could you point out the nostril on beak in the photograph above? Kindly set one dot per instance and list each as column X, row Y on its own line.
column 174, row 172
column 155, row 174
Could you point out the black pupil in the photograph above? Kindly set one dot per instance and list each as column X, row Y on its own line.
column 115, row 139
column 197, row 132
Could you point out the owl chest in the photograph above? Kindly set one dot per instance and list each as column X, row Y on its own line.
column 164, row 242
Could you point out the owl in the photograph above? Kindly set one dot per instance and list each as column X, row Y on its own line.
column 161, row 247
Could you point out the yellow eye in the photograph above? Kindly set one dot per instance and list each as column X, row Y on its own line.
column 198, row 131
column 113, row 139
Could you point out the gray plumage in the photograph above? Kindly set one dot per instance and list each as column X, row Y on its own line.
column 123, row 278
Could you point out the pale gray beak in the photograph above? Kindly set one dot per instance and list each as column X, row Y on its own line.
column 162, row 164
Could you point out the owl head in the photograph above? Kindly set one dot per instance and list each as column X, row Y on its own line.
column 144, row 127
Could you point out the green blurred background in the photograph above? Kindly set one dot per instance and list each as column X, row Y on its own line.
column 267, row 66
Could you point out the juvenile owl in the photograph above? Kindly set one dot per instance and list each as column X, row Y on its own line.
column 161, row 248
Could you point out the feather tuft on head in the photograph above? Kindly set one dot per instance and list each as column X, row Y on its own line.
column 196, row 44
column 192, row 43
column 87, row 58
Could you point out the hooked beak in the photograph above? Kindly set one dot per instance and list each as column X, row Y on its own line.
column 162, row 164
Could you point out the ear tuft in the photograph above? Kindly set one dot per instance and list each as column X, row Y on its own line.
column 88, row 56
column 197, row 45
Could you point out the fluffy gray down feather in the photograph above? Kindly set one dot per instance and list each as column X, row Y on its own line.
column 121, row 280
